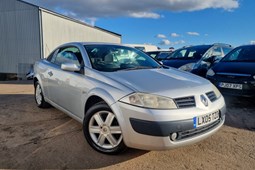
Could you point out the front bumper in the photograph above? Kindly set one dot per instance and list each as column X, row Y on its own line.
column 247, row 91
column 150, row 129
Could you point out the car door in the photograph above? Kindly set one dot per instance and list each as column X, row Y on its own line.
column 67, row 88
column 49, row 66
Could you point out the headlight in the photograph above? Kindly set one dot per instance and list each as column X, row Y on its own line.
column 210, row 72
column 187, row 67
column 216, row 91
column 149, row 101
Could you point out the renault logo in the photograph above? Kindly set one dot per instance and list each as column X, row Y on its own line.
column 204, row 100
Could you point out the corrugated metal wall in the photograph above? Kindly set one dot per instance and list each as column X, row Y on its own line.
column 28, row 32
column 58, row 30
column 19, row 36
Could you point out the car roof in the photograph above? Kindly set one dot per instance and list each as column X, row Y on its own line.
column 90, row 43
column 196, row 46
column 203, row 45
column 247, row 45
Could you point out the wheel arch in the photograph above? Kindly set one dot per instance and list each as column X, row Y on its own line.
column 37, row 79
column 98, row 95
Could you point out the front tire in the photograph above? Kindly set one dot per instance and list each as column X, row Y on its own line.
column 39, row 97
column 102, row 131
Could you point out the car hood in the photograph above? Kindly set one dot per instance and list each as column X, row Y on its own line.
column 166, row 82
column 235, row 67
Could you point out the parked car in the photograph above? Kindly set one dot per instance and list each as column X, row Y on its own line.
column 124, row 98
column 235, row 73
column 159, row 54
column 185, row 58
column 207, row 61
column 30, row 74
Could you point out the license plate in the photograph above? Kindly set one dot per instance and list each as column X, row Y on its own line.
column 205, row 119
column 231, row 86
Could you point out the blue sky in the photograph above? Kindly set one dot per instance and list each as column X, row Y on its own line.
column 166, row 23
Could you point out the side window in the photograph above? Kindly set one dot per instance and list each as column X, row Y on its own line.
column 226, row 50
column 234, row 56
column 68, row 55
column 217, row 52
column 52, row 56
column 208, row 54
column 140, row 48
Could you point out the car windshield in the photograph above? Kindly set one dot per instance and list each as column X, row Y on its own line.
column 111, row 58
column 195, row 52
column 163, row 55
column 241, row 54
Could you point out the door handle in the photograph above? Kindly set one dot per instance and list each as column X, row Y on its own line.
column 50, row 73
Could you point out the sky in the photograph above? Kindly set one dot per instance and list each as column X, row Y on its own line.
column 165, row 23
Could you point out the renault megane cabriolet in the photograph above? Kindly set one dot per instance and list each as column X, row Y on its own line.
column 124, row 98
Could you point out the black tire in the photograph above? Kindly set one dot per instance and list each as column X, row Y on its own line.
column 97, row 109
column 40, row 103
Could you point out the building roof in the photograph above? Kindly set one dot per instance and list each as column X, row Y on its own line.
column 69, row 18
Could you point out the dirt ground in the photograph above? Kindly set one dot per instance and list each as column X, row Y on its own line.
column 32, row 138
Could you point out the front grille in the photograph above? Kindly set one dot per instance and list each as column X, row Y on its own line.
column 232, row 77
column 211, row 95
column 193, row 132
column 185, row 102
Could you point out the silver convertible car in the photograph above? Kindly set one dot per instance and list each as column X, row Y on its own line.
column 124, row 98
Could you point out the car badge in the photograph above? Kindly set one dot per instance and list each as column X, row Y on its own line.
column 204, row 100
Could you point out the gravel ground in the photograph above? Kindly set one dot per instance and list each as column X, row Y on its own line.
column 33, row 138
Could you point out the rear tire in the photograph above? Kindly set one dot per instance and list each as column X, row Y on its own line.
column 39, row 97
column 102, row 131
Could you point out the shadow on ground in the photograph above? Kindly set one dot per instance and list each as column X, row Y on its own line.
column 240, row 112
column 17, row 82
column 33, row 138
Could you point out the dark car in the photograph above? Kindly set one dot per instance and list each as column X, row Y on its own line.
column 186, row 57
column 159, row 55
column 235, row 73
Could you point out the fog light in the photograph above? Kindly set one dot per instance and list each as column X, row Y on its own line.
column 173, row 136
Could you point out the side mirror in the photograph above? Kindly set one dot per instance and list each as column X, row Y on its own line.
column 70, row 67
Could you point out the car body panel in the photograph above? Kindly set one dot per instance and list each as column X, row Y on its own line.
column 236, row 67
column 146, row 84
column 235, row 72
column 148, row 142
column 186, row 55
column 70, row 91
column 176, row 63
column 196, row 56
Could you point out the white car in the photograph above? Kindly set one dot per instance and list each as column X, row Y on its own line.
column 124, row 98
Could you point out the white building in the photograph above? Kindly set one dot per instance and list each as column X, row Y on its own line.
column 29, row 32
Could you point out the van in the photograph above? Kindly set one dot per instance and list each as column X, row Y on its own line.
column 144, row 47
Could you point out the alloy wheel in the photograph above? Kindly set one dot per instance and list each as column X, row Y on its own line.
column 104, row 130
column 38, row 94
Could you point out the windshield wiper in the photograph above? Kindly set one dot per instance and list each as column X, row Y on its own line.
column 139, row 67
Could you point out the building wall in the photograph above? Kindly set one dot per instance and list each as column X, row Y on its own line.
column 28, row 33
column 58, row 30
column 19, row 36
